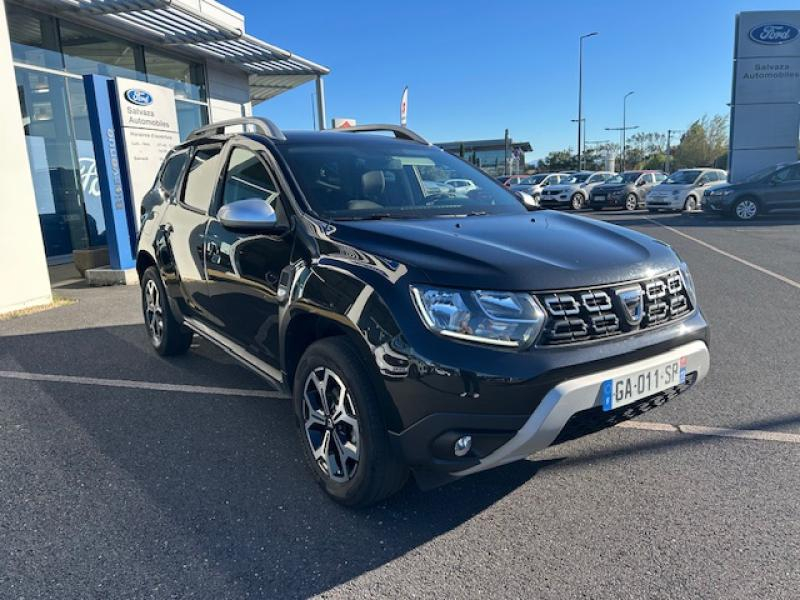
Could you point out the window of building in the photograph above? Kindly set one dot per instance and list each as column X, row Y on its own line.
column 190, row 116
column 89, row 51
column 184, row 77
column 201, row 182
column 34, row 38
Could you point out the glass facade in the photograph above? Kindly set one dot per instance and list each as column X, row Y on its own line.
column 50, row 56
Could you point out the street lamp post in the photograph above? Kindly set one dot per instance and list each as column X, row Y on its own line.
column 581, row 151
column 580, row 92
column 624, row 132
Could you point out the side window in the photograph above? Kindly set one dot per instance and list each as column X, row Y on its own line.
column 660, row 177
column 172, row 172
column 790, row 174
column 247, row 177
column 707, row 177
column 201, row 180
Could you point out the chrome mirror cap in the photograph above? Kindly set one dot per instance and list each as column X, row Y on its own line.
column 252, row 214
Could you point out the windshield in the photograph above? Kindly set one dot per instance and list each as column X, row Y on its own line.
column 577, row 178
column 393, row 180
column 759, row 175
column 683, row 177
column 628, row 177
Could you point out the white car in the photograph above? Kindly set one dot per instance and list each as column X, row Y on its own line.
column 574, row 191
column 683, row 190
column 462, row 186
column 534, row 184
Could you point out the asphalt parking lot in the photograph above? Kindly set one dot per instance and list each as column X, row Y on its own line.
column 124, row 475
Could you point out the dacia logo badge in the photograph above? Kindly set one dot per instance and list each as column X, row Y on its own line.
column 631, row 303
column 773, row 33
column 139, row 97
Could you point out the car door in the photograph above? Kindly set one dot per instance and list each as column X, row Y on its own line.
column 244, row 268
column 182, row 232
column 783, row 191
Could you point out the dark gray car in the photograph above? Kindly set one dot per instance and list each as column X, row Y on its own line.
column 773, row 189
column 626, row 190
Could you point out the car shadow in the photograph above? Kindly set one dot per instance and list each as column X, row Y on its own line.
column 227, row 470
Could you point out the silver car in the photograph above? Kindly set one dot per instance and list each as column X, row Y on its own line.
column 683, row 190
column 573, row 192
column 534, row 184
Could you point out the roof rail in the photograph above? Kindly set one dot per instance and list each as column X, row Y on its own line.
column 399, row 132
column 260, row 124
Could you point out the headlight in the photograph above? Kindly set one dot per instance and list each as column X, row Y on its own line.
column 505, row 319
column 688, row 283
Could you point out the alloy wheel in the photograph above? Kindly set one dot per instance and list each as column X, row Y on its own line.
column 578, row 201
column 691, row 203
column 153, row 311
column 331, row 425
column 631, row 202
column 746, row 209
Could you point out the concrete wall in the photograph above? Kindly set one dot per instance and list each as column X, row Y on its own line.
column 24, row 280
column 228, row 93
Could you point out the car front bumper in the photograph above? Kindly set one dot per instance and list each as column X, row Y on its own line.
column 603, row 200
column 673, row 202
column 583, row 396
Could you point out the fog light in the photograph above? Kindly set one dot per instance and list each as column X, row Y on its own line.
column 462, row 445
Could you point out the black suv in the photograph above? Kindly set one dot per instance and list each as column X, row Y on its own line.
column 416, row 331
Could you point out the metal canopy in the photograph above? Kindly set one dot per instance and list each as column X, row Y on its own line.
column 272, row 70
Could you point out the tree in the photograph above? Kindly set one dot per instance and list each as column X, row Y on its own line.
column 559, row 160
column 704, row 144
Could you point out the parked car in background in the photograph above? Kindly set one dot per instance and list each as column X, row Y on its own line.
column 574, row 192
column 773, row 189
column 434, row 188
column 461, row 186
column 509, row 180
column 626, row 190
column 683, row 189
column 534, row 184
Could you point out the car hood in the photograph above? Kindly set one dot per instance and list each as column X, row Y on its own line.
column 532, row 251
column 668, row 187
column 562, row 187
column 611, row 187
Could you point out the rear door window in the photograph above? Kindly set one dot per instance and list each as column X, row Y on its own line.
column 172, row 172
column 201, row 181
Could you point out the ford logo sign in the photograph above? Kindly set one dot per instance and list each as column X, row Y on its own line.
column 774, row 34
column 139, row 97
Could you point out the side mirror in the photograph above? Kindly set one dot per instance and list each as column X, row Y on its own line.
column 252, row 214
column 527, row 200
column 641, row 183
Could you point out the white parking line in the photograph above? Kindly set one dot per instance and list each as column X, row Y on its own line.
column 140, row 385
column 744, row 434
column 777, row 276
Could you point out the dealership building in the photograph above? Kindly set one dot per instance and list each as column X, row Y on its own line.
column 196, row 50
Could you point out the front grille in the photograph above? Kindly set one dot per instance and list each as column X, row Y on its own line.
column 606, row 311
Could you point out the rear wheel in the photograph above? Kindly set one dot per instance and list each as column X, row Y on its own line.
column 344, row 438
column 745, row 209
column 632, row 201
column 167, row 335
column 578, row 201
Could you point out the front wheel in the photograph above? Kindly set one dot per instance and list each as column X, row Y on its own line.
column 691, row 204
column 632, row 201
column 578, row 201
column 344, row 438
column 745, row 209
column 167, row 335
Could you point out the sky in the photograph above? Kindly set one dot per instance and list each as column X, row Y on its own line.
column 476, row 68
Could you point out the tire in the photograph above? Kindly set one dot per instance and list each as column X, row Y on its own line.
column 168, row 336
column 578, row 201
column 360, row 468
column 691, row 204
column 746, row 209
column 631, row 201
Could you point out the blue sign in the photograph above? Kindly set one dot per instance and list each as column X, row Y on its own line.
column 112, row 177
column 774, row 34
column 138, row 97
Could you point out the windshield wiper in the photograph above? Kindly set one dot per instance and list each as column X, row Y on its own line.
column 375, row 217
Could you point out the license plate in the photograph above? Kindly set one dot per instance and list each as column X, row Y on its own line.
column 600, row 198
column 630, row 388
